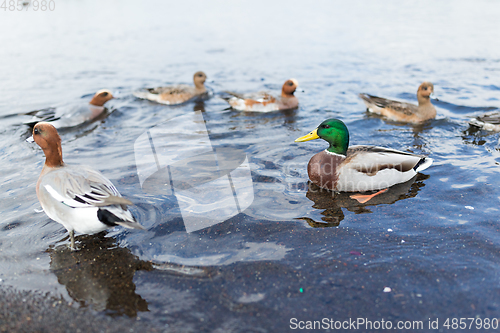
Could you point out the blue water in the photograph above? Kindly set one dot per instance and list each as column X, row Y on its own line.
column 433, row 241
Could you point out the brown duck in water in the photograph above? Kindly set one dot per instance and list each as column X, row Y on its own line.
column 178, row 94
column 264, row 102
column 405, row 112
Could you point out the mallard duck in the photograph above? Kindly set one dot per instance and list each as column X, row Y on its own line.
column 178, row 94
column 489, row 122
column 358, row 168
column 77, row 196
column 404, row 112
column 73, row 114
column 264, row 102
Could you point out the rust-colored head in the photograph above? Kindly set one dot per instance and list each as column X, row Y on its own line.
column 425, row 90
column 289, row 88
column 46, row 136
column 199, row 79
column 101, row 97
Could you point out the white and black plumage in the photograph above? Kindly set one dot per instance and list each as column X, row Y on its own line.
column 77, row 196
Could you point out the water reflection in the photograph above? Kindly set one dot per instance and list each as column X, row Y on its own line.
column 475, row 135
column 100, row 274
column 199, row 105
column 333, row 202
column 417, row 129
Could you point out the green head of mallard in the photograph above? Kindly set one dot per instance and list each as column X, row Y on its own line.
column 333, row 131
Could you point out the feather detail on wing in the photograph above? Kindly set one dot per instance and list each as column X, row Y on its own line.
column 48, row 114
column 260, row 96
column 82, row 187
column 490, row 121
column 373, row 103
column 370, row 160
column 179, row 89
column 114, row 215
column 492, row 118
column 169, row 95
column 256, row 102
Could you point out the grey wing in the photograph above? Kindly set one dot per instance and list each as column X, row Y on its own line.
column 256, row 96
column 374, row 149
column 82, row 187
column 384, row 103
column 369, row 159
column 76, row 115
column 260, row 96
column 178, row 89
column 48, row 114
column 65, row 116
column 491, row 118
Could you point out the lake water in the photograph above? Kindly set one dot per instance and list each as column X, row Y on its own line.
column 425, row 250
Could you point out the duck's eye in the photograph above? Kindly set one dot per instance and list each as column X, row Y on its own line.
column 104, row 94
column 36, row 131
column 200, row 75
column 290, row 84
column 326, row 126
column 425, row 88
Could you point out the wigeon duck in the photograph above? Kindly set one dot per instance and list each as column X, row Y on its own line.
column 177, row 94
column 489, row 122
column 72, row 115
column 405, row 112
column 78, row 197
column 358, row 168
column 264, row 102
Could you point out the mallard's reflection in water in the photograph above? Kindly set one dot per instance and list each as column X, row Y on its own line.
column 333, row 202
column 100, row 274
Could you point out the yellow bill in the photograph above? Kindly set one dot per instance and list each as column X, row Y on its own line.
column 311, row 136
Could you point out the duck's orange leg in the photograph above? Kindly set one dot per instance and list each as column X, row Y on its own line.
column 362, row 198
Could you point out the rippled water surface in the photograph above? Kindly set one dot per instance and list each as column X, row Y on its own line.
column 295, row 252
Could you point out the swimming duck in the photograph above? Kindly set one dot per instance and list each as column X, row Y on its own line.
column 400, row 111
column 73, row 115
column 358, row 168
column 178, row 94
column 264, row 102
column 489, row 122
column 77, row 196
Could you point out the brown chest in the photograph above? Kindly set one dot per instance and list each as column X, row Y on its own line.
column 322, row 169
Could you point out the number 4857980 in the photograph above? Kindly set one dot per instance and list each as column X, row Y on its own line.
column 468, row 323
column 35, row 5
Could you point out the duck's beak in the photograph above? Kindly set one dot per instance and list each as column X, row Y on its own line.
column 30, row 139
column 311, row 136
